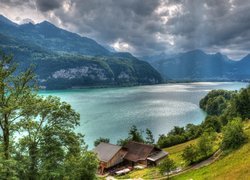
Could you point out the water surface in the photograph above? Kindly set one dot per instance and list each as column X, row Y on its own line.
column 110, row 112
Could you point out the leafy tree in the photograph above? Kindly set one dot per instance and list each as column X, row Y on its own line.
column 233, row 135
column 216, row 101
column 205, row 144
column 167, row 165
column 122, row 142
column 212, row 123
column 47, row 143
column 192, row 131
column 149, row 137
column 49, row 124
column 242, row 103
column 135, row 134
column 101, row 139
column 82, row 167
column 14, row 90
column 190, row 154
column 177, row 131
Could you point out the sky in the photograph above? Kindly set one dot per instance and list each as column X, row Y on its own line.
column 146, row 27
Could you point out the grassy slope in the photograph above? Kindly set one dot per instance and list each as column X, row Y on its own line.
column 235, row 165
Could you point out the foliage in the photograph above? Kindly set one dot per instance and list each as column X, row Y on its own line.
column 233, row 165
column 233, row 135
column 201, row 150
column 190, row 153
column 134, row 134
column 212, row 123
column 215, row 102
column 47, row 142
column 242, row 103
column 101, row 139
column 179, row 135
column 205, row 144
column 149, row 137
column 167, row 165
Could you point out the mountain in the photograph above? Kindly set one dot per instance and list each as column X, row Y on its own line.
column 197, row 65
column 65, row 60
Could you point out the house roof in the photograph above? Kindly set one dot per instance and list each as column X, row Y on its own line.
column 137, row 151
column 105, row 151
column 157, row 155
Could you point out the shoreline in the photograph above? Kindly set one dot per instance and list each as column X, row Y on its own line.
column 138, row 85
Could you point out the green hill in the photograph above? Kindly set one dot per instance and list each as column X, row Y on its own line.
column 234, row 166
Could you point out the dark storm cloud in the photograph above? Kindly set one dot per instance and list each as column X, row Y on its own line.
column 47, row 5
column 149, row 27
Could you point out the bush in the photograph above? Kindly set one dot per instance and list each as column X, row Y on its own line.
column 167, row 166
column 190, row 154
column 233, row 135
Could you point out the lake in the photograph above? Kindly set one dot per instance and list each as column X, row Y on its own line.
column 110, row 112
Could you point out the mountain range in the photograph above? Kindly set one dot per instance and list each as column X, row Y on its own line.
column 64, row 59
column 196, row 65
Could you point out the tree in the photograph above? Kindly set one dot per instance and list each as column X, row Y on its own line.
column 216, row 101
column 242, row 103
column 177, row 131
column 14, row 90
column 149, row 137
column 205, row 144
column 192, row 131
column 190, row 154
column 233, row 135
column 212, row 122
column 48, row 123
column 166, row 166
column 82, row 167
column 101, row 139
column 135, row 134
column 47, row 143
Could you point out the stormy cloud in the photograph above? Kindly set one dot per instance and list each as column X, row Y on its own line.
column 148, row 27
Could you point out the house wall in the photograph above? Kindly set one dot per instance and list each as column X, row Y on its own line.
column 144, row 162
column 118, row 158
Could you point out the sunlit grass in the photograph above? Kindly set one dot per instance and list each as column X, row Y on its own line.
column 234, row 165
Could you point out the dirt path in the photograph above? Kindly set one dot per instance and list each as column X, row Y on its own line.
column 206, row 162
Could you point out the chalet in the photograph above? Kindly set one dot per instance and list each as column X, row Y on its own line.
column 133, row 153
column 109, row 155
column 139, row 153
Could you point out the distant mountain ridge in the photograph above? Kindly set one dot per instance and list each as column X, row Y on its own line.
column 64, row 59
column 196, row 65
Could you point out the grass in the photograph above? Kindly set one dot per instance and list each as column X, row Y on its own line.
column 234, row 165
column 176, row 151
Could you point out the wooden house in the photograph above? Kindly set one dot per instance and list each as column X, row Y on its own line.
column 140, row 153
column 133, row 153
column 109, row 155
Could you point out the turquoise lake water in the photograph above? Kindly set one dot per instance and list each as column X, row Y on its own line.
column 110, row 112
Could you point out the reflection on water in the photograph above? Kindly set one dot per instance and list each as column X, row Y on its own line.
column 110, row 112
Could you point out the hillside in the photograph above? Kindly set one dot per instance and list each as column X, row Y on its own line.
column 235, row 165
column 64, row 59
column 196, row 65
